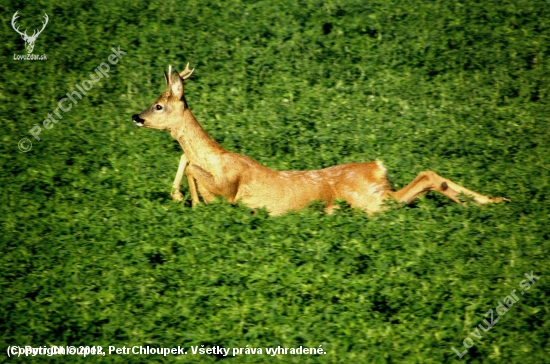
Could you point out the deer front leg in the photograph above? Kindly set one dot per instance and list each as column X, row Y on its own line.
column 176, row 193
column 206, row 183
column 430, row 181
column 192, row 187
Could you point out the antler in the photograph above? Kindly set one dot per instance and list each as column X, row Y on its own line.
column 33, row 36
column 168, row 75
column 186, row 73
column 24, row 35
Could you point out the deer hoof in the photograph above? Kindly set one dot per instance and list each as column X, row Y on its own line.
column 177, row 196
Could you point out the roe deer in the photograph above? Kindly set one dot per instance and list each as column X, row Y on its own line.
column 218, row 172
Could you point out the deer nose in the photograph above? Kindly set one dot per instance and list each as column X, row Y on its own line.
column 139, row 121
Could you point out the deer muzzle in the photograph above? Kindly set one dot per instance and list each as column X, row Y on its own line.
column 137, row 120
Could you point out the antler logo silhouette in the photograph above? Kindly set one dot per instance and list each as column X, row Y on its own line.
column 29, row 41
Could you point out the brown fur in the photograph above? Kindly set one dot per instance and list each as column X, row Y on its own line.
column 214, row 171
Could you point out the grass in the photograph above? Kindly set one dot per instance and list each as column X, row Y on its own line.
column 94, row 252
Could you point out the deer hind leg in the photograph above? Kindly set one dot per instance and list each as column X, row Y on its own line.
column 430, row 181
column 176, row 193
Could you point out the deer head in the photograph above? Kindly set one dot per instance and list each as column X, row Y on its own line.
column 169, row 107
column 29, row 41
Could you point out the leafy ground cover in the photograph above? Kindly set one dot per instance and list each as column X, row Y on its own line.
column 94, row 252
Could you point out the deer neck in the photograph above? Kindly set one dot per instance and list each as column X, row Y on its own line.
column 195, row 142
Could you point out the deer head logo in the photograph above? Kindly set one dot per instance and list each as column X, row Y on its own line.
column 29, row 41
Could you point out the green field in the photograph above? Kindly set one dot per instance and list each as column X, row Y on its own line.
column 95, row 253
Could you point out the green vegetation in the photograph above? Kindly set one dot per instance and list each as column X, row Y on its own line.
column 94, row 252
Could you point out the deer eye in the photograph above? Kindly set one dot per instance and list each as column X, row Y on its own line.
column 158, row 107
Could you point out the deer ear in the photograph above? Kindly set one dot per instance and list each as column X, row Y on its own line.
column 176, row 86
